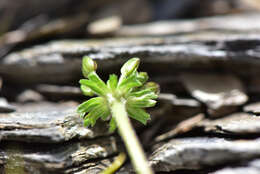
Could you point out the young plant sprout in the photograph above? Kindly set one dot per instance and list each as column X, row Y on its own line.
column 116, row 100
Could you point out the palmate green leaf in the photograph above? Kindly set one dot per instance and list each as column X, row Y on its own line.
column 112, row 125
column 87, row 122
column 150, row 95
column 129, row 83
column 112, row 82
column 93, row 86
column 145, row 93
column 96, row 108
column 151, row 86
column 90, row 104
column 140, row 103
column 82, row 114
column 138, row 114
column 95, row 78
column 86, row 90
column 100, row 111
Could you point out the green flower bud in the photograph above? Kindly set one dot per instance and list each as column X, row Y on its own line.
column 142, row 77
column 152, row 86
column 130, row 66
column 88, row 66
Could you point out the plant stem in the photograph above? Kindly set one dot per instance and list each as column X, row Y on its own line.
column 118, row 162
column 132, row 144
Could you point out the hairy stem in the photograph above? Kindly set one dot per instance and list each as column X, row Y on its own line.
column 132, row 144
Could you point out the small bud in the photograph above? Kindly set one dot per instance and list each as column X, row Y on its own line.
column 142, row 77
column 130, row 66
column 153, row 87
column 88, row 66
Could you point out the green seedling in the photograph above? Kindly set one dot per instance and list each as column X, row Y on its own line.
column 117, row 99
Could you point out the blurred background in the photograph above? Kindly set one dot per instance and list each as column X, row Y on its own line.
column 38, row 21
column 203, row 53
